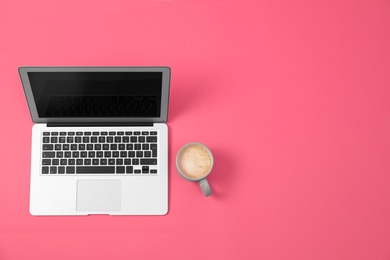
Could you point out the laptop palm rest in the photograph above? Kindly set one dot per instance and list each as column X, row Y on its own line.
column 98, row 195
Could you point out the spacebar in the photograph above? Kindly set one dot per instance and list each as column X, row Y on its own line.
column 94, row 169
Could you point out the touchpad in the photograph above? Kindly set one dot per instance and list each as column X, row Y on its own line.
column 98, row 195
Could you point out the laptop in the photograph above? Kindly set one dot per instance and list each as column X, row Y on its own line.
column 100, row 140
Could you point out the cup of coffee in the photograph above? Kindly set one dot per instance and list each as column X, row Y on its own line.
column 194, row 162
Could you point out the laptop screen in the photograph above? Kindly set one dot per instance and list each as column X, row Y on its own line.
column 97, row 95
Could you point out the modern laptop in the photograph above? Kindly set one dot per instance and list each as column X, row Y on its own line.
column 100, row 139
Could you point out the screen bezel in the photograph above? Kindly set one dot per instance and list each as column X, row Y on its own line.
column 166, row 72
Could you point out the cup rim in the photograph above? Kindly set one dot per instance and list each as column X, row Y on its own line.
column 177, row 163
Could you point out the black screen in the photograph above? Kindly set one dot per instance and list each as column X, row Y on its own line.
column 96, row 94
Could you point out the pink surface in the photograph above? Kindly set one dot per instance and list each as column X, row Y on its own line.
column 291, row 96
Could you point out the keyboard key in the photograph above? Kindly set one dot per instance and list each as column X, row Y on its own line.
column 69, row 139
column 47, row 147
column 94, row 139
column 63, row 162
column 145, row 133
column 147, row 154
column 95, row 169
column 87, row 161
column 62, row 139
column 107, row 154
column 62, row 133
column 79, row 161
column 77, row 139
column 123, row 154
column 111, row 161
column 89, row 146
column 54, row 133
column 119, row 161
column 73, row 147
column 60, row 154
column 46, row 140
column 83, row 154
column 153, row 133
column 70, row 169
column 71, row 161
column 145, row 169
column 53, row 169
column 137, row 133
column 141, row 139
column 54, row 140
column 99, row 154
column 135, row 161
column 129, row 146
column 118, row 139
column 120, row 169
column 46, row 161
column 103, row 161
column 95, row 133
column 133, row 139
column 55, row 162
column 87, row 133
column 85, row 139
column 106, row 147
column 125, row 139
column 46, row 133
column 71, row 133
column 79, row 133
column 121, row 147
column 95, row 161
column 114, row 147
column 102, row 139
column 76, row 154
column 148, row 161
column 81, row 146
column 153, row 171
column 61, row 169
column 137, row 171
column 127, row 161
column 120, row 133
column 65, row 147
column 48, row 154
column 68, row 154
column 115, row 154
column 57, row 147
column 140, row 154
column 111, row 133
column 45, row 170
column 103, row 133
column 153, row 147
column 137, row 147
column 128, row 133
column 151, row 139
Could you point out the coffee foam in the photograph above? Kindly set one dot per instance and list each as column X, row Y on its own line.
column 194, row 161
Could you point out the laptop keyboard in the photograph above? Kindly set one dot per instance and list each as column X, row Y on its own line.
column 99, row 152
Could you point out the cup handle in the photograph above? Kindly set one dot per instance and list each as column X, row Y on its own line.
column 205, row 186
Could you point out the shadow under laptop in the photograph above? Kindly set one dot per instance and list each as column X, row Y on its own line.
column 183, row 95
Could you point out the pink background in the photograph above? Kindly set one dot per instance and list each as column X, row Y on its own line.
column 291, row 96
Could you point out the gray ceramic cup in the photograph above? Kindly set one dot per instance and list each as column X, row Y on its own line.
column 201, row 179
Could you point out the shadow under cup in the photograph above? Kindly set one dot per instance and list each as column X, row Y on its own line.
column 194, row 162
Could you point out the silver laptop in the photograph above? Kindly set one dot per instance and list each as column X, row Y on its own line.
column 100, row 140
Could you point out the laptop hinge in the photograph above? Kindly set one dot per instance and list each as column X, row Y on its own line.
column 84, row 124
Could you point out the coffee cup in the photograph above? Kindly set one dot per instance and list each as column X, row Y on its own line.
column 194, row 162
